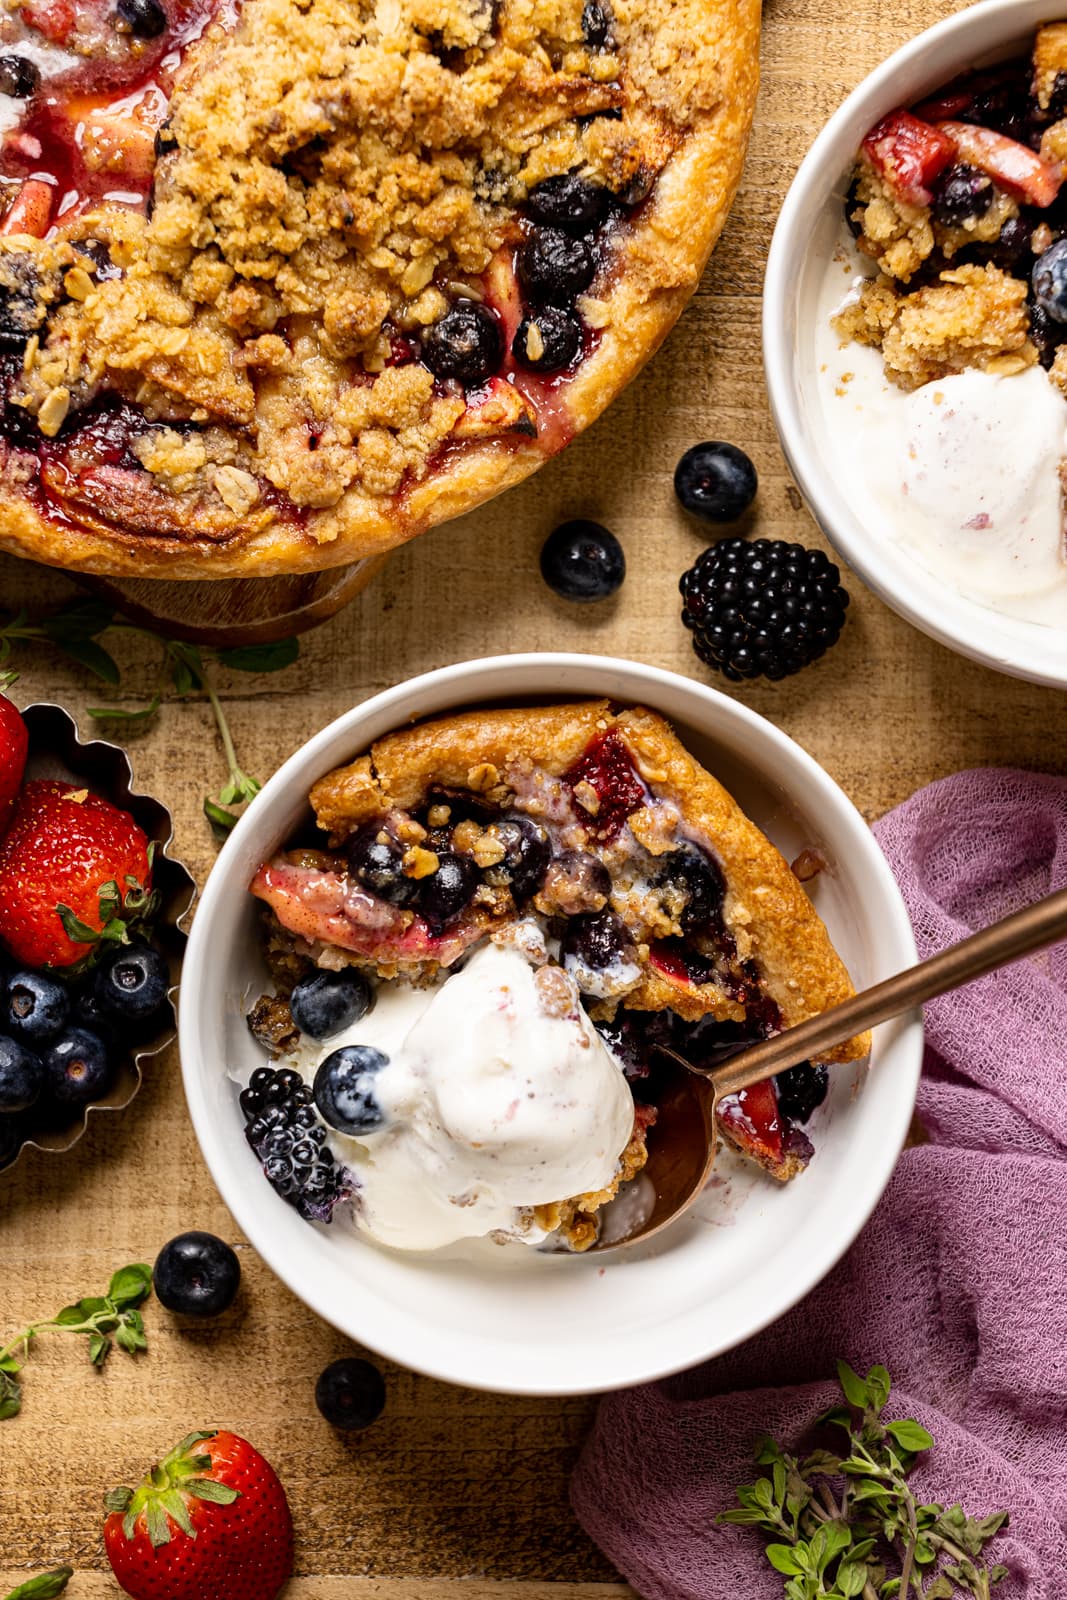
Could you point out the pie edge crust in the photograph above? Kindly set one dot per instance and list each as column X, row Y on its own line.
column 708, row 164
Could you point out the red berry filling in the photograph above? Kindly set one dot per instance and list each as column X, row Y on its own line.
column 607, row 766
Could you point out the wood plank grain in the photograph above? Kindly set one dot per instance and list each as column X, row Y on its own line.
column 100, row 1586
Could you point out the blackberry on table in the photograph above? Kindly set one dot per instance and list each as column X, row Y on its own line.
column 762, row 609
column 285, row 1133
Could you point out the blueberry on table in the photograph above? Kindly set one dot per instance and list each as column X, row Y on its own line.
column 350, row 1393
column 547, row 341
column 35, row 1007
column 582, row 561
column 196, row 1275
column 77, row 1069
column 716, row 481
column 554, row 266
column 344, row 1089
column 1049, row 279
column 765, row 608
column 146, row 19
column 21, row 1076
column 376, row 860
column 132, row 984
column 569, row 202
column 466, row 344
column 444, row 893
column 328, row 1001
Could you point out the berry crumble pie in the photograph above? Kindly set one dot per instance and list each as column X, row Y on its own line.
column 569, row 873
column 283, row 284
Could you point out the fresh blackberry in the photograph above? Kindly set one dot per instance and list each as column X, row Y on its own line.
column 765, row 608
column 801, row 1089
column 284, row 1132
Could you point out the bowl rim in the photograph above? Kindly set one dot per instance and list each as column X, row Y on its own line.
column 415, row 1350
column 963, row 625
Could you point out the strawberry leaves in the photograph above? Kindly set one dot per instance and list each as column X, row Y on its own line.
column 165, row 1493
column 106, row 1320
column 120, row 910
column 847, row 1524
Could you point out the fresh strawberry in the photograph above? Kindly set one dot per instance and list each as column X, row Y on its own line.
column 74, row 871
column 909, row 154
column 210, row 1522
column 13, row 744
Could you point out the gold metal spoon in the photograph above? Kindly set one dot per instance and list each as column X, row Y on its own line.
column 682, row 1148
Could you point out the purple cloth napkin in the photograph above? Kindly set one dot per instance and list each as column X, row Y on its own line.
column 958, row 1283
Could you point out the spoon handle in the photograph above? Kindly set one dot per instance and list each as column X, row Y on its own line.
column 1036, row 926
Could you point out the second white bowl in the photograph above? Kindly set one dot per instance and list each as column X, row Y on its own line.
column 510, row 1318
column 806, row 235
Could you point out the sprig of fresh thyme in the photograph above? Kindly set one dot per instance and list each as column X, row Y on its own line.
column 845, row 1525
column 75, row 631
column 107, row 1319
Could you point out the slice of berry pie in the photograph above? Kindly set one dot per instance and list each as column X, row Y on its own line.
column 283, row 284
column 593, row 843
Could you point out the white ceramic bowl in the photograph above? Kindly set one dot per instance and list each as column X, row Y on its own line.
column 804, row 239
column 509, row 1318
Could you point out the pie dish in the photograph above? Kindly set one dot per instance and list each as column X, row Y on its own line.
column 586, row 838
column 285, row 285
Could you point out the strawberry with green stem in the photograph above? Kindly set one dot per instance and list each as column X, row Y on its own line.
column 209, row 1520
column 14, row 746
column 111, row 1318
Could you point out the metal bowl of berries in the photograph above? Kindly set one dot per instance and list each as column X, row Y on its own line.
column 91, row 903
column 507, row 1317
column 915, row 308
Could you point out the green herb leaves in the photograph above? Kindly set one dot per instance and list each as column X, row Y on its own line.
column 45, row 1586
column 107, row 1319
column 184, row 671
column 843, row 1525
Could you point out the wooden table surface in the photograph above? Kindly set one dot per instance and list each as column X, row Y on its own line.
column 453, row 1493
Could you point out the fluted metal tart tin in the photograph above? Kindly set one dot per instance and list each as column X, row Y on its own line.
column 57, row 751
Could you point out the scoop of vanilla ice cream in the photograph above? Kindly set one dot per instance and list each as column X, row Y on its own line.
column 499, row 1095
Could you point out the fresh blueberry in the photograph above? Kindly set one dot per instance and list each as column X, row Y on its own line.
column 146, row 19
column 77, row 1068
column 19, row 77
column 527, row 852
column 554, row 266
column 701, row 881
column 344, row 1089
column 132, row 984
column 1050, row 281
column 196, row 1275
column 961, row 194
column 569, row 202
column 36, row 1007
column 715, row 481
column 547, row 341
column 445, row 892
column 466, row 344
column 582, row 561
column 328, row 1001
column 350, row 1393
column 21, row 1076
column 12, row 1134
column 376, row 859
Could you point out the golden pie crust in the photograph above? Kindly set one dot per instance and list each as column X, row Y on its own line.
column 766, row 909
column 259, row 286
